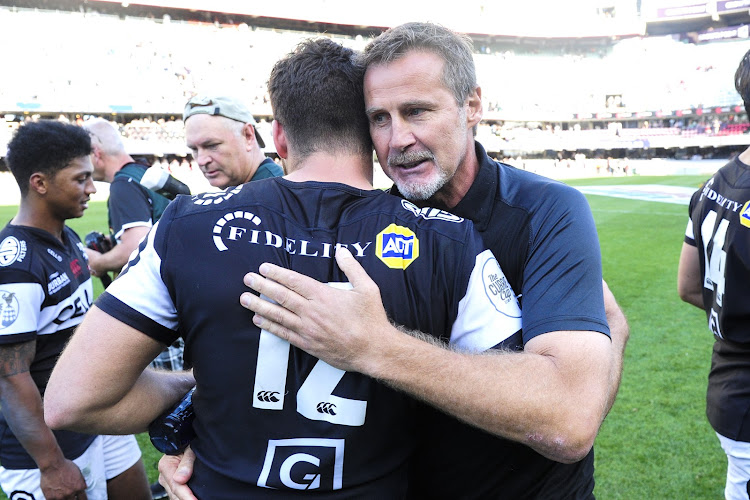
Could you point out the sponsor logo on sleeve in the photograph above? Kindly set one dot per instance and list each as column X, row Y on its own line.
column 8, row 308
column 397, row 246
column 11, row 250
column 496, row 285
column 745, row 214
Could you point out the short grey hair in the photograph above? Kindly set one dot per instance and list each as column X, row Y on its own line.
column 459, row 72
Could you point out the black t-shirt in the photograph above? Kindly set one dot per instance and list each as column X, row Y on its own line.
column 544, row 237
column 719, row 227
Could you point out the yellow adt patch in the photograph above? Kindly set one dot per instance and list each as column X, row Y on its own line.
column 745, row 214
column 397, row 246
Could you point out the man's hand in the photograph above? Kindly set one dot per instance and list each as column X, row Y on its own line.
column 174, row 473
column 333, row 325
column 552, row 396
column 63, row 482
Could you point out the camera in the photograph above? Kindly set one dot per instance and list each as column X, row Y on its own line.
column 102, row 243
column 99, row 242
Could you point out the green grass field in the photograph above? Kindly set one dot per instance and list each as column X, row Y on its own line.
column 656, row 442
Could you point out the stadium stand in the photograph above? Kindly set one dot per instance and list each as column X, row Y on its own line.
column 630, row 95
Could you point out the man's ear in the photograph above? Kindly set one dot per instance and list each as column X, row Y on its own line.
column 279, row 139
column 474, row 107
column 39, row 183
column 249, row 132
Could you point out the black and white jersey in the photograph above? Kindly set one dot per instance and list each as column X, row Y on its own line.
column 45, row 290
column 719, row 227
column 270, row 416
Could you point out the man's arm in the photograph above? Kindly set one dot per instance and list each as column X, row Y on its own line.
column 620, row 334
column 22, row 407
column 689, row 280
column 99, row 384
column 552, row 396
column 115, row 259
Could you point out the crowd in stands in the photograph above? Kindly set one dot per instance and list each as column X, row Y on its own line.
column 141, row 70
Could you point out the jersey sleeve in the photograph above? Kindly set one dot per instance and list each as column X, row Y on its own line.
column 489, row 312
column 21, row 299
column 562, row 287
column 129, row 206
column 690, row 230
column 139, row 297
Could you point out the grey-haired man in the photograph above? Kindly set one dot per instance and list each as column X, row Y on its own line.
column 221, row 132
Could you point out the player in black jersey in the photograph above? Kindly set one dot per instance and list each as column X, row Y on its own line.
column 714, row 275
column 271, row 420
column 544, row 402
column 45, row 290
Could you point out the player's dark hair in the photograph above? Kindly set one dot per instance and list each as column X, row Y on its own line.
column 459, row 72
column 317, row 96
column 742, row 81
column 45, row 146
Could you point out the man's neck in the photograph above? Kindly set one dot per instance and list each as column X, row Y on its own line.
column 39, row 218
column 352, row 170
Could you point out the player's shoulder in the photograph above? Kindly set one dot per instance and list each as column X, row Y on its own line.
column 532, row 192
column 18, row 248
column 427, row 219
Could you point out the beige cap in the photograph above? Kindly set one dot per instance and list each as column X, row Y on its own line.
column 228, row 107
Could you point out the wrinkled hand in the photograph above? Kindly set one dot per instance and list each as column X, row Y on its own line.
column 174, row 473
column 341, row 327
column 63, row 482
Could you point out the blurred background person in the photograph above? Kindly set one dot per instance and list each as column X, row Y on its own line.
column 714, row 275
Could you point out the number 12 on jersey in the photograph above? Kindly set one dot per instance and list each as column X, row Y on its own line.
column 315, row 399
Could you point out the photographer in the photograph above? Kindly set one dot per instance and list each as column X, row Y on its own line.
column 132, row 210
column 129, row 206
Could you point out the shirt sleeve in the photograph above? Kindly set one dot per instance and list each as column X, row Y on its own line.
column 129, row 206
column 140, row 298
column 20, row 308
column 562, row 287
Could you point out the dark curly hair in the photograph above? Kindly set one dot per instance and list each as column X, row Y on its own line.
column 45, row 146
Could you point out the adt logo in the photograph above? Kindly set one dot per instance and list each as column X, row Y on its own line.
column 397, row 246
column 745, row 214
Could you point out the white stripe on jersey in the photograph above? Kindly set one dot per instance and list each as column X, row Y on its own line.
column 67, row 313
column 21, row 307
column 145, row 275
column 689, row 233
column 489, row 312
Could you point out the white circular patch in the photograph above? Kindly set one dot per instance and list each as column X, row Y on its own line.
column 10, row 249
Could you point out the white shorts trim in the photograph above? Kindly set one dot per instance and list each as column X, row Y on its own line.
column 738, row 468
column 107, row 457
